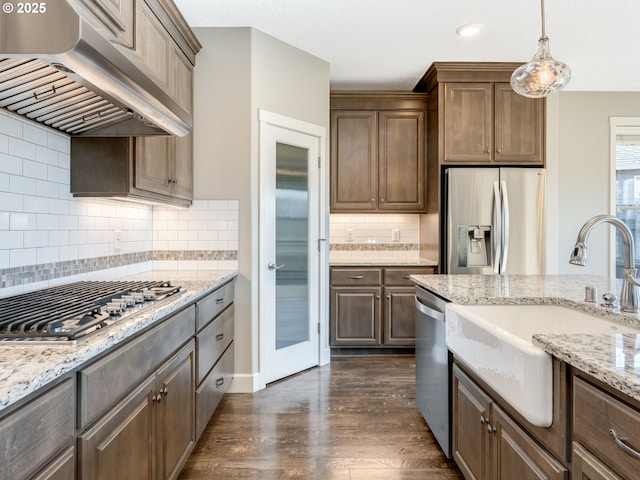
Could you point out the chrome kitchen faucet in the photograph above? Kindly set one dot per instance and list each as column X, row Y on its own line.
column 629, row 293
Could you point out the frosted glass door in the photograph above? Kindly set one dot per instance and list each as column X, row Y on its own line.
column 292, row 245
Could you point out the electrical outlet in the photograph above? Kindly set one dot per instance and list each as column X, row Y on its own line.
column 395, row 235
column 117, row 240
column 349, row 234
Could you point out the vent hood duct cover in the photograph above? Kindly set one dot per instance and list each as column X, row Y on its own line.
column 56, row 69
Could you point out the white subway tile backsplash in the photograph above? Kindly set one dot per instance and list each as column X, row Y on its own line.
column 21, row 149
column 47, row 156
column 22, row 257
column 58, row 142
column 44, row 230
column 34, row 134
column 10, row 125
column 4, row 143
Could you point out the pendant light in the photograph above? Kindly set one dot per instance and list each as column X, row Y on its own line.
column 543, row 75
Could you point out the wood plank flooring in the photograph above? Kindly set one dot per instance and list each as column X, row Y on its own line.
column 351, row 420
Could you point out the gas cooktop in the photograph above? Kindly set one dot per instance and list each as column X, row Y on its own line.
column 68, row 312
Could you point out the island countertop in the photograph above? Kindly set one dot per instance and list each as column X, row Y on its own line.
column 613, row 359
column 27, row 366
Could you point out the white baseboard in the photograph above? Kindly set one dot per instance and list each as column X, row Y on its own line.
column 244, row 383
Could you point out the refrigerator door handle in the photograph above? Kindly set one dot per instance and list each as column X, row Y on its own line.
column 496, row 235
column 505, row 227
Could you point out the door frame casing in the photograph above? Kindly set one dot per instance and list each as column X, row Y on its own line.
column 267, row 118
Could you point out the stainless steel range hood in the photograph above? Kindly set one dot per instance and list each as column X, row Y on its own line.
column 57, row 69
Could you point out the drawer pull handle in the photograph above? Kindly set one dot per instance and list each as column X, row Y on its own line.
column 356, row 277
column 219, row 301
column 406, row 277
column 219, row 382
column 623, row 446
column 219, row 337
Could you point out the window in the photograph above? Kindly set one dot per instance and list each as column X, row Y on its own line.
column 626, row 153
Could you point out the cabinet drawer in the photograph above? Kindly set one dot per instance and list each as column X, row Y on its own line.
column 400, row 276
column 34, row 433
column 595, row 414
column 102, row 383
column 213, row 304
column 209, row 394
column 212, row 341
column 356, row 276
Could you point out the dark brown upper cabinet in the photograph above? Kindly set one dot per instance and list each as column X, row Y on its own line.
column 378, row 144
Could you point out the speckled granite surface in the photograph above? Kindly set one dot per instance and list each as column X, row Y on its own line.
column 613, row 359
column 24, row 368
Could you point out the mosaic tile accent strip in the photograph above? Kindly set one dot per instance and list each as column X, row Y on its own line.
column 195, row 255
column 10, row 277
column 374, row 247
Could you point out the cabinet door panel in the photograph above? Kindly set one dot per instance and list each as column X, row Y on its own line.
column 63, row 467
column 122, row 444
column 519, row 137
column 585, row 466
column 354, row 162
column 399, row 321
column 468, row 127
column 517, row 456
column 153, row 44
column 154, row 157
column 176, row 413
column 470, row 439
column 401, row 160
column 182, row 167
column 355, row 316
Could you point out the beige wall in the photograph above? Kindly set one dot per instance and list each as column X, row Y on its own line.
column 579, row 163
column 238, row 72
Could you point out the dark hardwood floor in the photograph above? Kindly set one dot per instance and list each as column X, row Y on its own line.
column 353, row 419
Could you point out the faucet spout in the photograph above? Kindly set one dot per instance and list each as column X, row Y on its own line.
column 629, row 295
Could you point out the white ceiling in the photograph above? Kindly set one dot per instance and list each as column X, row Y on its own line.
column 389, row 44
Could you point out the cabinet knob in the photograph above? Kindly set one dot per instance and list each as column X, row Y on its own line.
column 219, row 337
column 491, row 429
column 165, row 391
column 499, row 150
column 156, row 398
column 483, row 421
column 220, row 382
column 488, row 150
column 382, row 199
column 388, row 296
column 373, row 199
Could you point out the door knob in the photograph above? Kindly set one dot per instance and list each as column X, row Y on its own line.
column 273, row 266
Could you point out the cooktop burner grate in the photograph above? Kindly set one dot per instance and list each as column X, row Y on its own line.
column 69, row 311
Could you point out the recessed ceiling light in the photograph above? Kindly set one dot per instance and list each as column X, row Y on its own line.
column 469, row 29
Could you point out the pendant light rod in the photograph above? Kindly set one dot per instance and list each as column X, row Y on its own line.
column 542, row 14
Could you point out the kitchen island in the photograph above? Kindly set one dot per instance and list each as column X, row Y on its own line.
column 613, row 359
column 595, row 396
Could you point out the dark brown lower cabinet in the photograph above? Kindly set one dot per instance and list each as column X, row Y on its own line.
column 149, row 433
column 585, row 466
column 373, row 306
column 488, row 444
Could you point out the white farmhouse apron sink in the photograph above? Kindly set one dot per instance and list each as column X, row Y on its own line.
column 495, row 342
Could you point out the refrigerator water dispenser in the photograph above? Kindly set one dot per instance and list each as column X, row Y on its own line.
column 474, row 245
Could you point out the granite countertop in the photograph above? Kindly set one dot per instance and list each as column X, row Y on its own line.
column 613, row 359
column 25, row 367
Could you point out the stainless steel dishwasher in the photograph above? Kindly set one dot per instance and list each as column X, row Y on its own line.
column 433, row 367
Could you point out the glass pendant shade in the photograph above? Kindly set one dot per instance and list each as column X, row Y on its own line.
column 542, row 76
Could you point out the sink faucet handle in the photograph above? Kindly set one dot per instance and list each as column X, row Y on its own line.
column 609, row 299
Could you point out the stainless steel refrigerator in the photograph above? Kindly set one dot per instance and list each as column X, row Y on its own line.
column 493, row 220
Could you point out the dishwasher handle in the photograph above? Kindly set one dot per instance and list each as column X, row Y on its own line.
column 430, row 312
